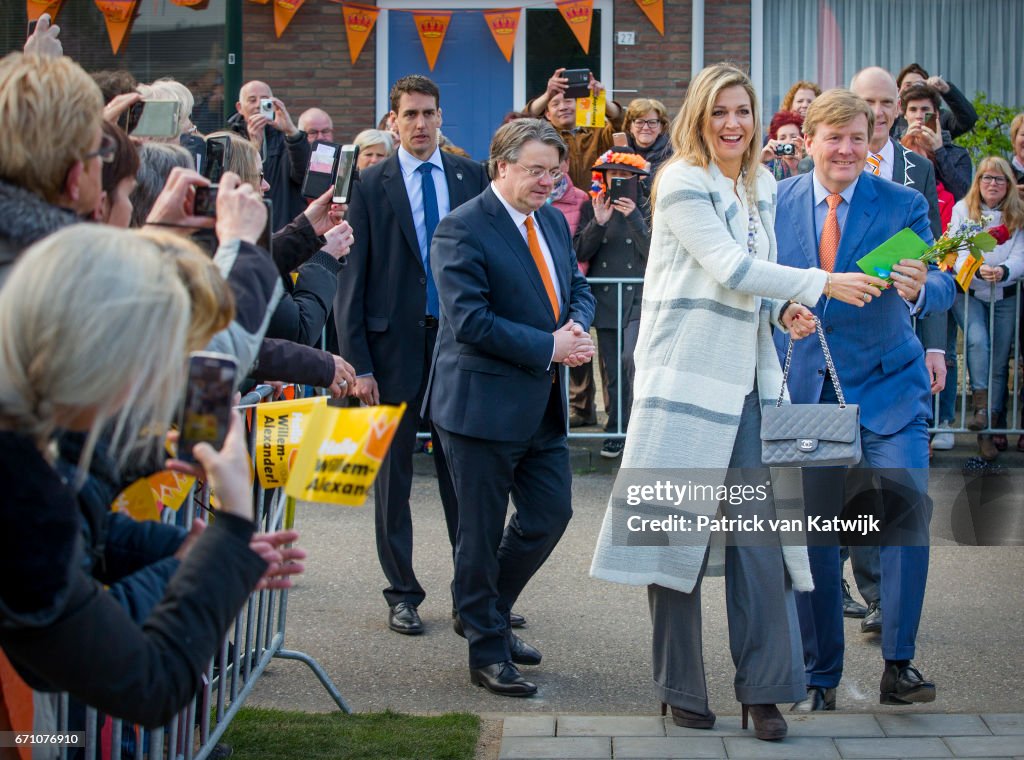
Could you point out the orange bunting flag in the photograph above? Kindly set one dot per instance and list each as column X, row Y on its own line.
column 118, row 14
column 655, row 12
column 359, row 21
column 284, row 11
column 578, row 14
column 432, row 26
column 36, row 8
column 190, row 3
column 503, row 25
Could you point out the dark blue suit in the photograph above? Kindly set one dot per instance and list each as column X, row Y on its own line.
column 880, row 364
column 496, row 400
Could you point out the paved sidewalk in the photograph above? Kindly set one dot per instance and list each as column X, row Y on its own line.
column 821, row 736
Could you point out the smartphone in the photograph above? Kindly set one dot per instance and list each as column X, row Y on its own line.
column 205, row 203
column 579, row 83
column 323, row 166
column 346, row 173
column 621, row 187
column 619, row 139
column 218, row 154
column 158, row 118
column 267, row 108
column 206, row 411
column 929, row 120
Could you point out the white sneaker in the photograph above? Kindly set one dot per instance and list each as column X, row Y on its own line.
column 943, row 441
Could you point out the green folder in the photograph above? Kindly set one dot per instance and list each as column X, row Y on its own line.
column 905, row 244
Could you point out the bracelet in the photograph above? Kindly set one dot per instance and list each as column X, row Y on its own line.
column 782, row 313
column 828, row 285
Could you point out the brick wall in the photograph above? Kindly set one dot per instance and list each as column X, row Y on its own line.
column 310, row 65
column 656, row 67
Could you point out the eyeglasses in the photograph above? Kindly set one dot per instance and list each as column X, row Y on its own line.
column 993, row 179
column 105, row 152
column 649, row 123
column 327, row 134
column 538, row 171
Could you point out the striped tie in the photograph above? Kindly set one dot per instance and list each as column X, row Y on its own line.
column 874, row 164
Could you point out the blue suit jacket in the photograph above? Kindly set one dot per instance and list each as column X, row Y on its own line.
column 492, row 373
column 878, row 358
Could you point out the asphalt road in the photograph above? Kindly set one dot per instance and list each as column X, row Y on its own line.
column 595, row 636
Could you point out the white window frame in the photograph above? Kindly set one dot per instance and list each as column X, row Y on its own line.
column 519, row 94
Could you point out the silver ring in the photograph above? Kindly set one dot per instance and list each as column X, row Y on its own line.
column 343, row 384
column 866, row 297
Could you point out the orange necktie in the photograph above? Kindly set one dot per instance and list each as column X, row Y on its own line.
column 829, row 244
column 542, row 267
column 875, row 162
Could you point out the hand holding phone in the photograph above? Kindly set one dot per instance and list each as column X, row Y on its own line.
column 157, row 118
column 241, row 213
column 206, row 411
column 267, row 109
column 622, row 187
column 322, row 168
column 205, row 202
column 579, row 83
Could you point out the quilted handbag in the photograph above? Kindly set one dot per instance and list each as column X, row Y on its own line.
column 811, row 435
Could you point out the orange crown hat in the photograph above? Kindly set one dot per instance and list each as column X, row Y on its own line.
column 619, row 157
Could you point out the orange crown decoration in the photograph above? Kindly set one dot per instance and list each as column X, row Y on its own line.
column 503, row 25
column 382, row 430
column 117, row 12
column 577, row 14
column 597, row 185
column 432, row 27
column 647, row 2
column 358, row 21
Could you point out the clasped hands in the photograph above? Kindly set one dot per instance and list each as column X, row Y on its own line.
column 573, row 345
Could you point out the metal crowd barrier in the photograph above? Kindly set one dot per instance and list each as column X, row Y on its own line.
column 256, row 638
column 959, row 379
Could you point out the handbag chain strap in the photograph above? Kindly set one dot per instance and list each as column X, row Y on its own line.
column 828, row 362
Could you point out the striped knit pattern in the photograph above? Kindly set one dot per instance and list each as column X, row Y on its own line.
column 705, row 328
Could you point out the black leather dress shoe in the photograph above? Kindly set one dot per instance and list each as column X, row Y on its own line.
column 403, row 618
column 522, row 653
column 872, row 622
column 851, row 607
column 516, row 621
column 904, row 685
column 503, row 679
column 818, row 698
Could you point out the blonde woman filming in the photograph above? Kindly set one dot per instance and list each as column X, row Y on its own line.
column 705, row 362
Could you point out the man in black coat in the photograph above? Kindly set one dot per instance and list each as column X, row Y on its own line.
column 387, row 310
column 282, row 146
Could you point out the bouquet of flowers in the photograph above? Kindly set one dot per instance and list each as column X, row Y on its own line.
column 971, row 236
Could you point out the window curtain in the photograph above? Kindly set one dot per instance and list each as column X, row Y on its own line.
column 977, row 45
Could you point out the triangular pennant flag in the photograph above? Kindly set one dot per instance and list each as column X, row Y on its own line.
column 284, row 11
column 578, row 14
column 503, row 24
column 190, row 3
column 36, row 8
column 655, row 12
column 118, row 14
column 359, row 21
column 432, row 26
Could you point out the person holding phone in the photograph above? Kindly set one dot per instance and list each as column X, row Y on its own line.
column 953, row 168
column 284, row 150
column 613, row 239
column 119, row 367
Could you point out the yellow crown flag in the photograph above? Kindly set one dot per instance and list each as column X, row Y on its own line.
column 968, row 269
column 341, row 452
column 147, row 497
column 280, row 427
column 590, row 110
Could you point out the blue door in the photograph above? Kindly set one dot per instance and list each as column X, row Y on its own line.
column 474, row 77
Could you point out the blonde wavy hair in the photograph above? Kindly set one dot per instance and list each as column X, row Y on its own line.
column 790, row 96
column 94, row 321
column 1012, row 207
column 41, row 97
column 687, row 133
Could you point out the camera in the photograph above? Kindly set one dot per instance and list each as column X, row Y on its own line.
column 785, row 149
column 267, row 108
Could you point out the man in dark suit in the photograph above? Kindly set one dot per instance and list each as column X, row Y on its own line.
column 386, row 312
column 514, row 306
column 831, row 218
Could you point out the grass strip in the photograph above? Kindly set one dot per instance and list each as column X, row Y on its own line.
column 286, row 735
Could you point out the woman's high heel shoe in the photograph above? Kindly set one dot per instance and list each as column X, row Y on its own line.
column 686, row 719
column 769, row 725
